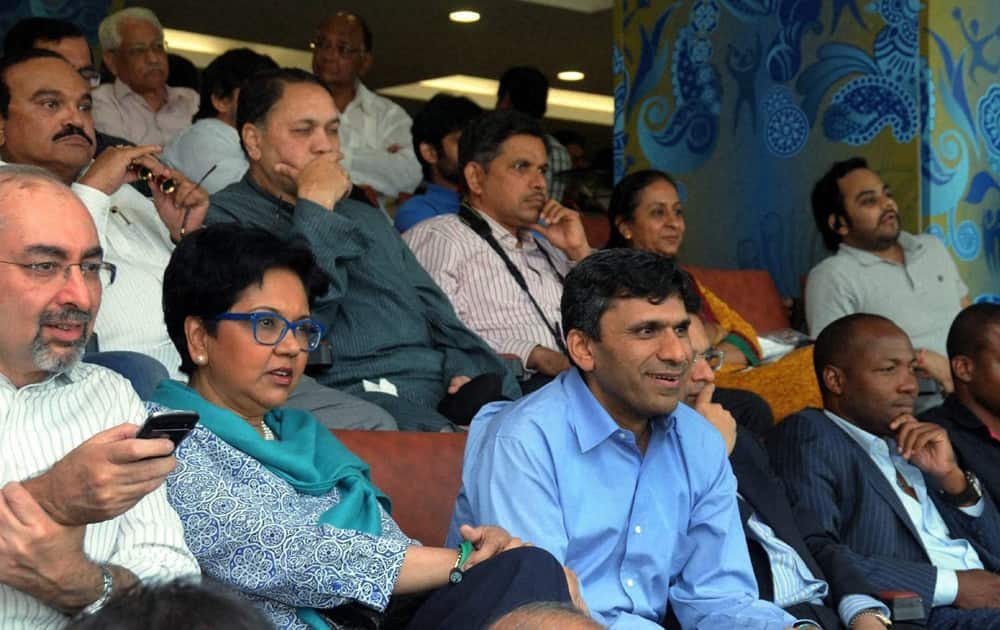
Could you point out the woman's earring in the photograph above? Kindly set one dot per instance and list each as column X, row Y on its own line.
column 200, row 359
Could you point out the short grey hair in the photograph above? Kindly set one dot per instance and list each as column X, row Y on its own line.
column 110, row 30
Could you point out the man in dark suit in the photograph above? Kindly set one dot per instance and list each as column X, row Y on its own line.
column 886, row 488
column 972, row 413
column 786, row 572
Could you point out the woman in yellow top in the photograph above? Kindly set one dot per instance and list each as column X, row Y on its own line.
column 646, row 212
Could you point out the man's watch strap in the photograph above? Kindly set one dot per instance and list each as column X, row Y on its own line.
column 871, row 612
column 107, row 587
column 972, row 493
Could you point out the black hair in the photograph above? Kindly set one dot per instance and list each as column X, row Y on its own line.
column 835, row 344
column 483, row 135
column 16, row 59
column 612, row 274
column 443, row 114
column 227, row 72
column 177, row 604
column 181, row 72
column 527, row 88
column 625, row 201
column 27, row 33
column 828, row 200
column 967, row 335
column 567, row 137
column 262, row 91
column 212, row 266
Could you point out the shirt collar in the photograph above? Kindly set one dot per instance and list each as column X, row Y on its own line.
column 122, row 91
column 258, row 189
column 362, row 98
column 912, row 247
column 590, row 421
column 876, row 447
column 71, row 375
column 442, row 192
column 504, row 237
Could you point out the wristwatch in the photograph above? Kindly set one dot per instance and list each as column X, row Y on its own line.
column 972, row 493
column 871, row 612
column 107, row 586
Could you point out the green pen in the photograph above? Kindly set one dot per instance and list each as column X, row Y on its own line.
column 464, row 551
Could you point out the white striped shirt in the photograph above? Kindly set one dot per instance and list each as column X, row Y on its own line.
column 485, row 295
column 44, row 421
column 136, row 240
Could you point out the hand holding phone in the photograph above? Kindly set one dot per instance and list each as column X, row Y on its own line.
column 173, row 425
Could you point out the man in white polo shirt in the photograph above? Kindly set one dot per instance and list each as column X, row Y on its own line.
column 82, row 508
column 878, row 268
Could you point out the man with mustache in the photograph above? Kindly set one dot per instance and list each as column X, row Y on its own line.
column 887, row 489
column 504, row 281
column 83, row 514
column 66, row 39
column 45, row 121
column 878, row 268
column 608, row 471
column 139, row 105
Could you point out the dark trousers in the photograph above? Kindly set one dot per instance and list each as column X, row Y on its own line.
column 492, row 589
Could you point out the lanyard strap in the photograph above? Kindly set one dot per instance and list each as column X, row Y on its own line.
column 478, row 225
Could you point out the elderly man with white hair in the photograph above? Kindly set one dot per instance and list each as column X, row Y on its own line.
column 139, row 105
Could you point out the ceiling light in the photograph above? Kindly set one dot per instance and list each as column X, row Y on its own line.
column 570, row 75
column 464, row 17
column 597, row 109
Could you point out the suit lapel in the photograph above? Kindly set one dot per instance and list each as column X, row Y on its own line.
column 876, row 481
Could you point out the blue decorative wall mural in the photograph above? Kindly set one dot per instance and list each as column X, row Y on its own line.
column 87, row 14
column 749, row 101
column 960, row 140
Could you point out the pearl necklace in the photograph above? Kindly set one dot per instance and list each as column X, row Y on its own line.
column 266, row 430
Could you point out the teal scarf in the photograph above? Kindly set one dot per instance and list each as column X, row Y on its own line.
column 306, row 455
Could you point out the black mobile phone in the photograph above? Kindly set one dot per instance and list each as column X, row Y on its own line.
column 173, row 425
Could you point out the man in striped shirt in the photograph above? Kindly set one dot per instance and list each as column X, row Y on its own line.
column 503, row 280
column 82, row 508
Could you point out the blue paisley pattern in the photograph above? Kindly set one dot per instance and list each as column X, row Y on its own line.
column 886, row 93
column 253, row 532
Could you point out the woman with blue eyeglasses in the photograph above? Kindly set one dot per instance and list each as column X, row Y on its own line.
column 272, row 504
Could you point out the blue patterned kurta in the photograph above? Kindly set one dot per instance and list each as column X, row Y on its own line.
column 254, row 532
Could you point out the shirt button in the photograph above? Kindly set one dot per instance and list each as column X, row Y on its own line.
column 621, row 435
column 630, row 582
column 638, row 529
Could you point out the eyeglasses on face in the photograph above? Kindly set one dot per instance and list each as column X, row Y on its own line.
column 137, row 51
column 94, row 273
column 345, row 50
column 270, row 328
column 713, row 357
column 91, row 76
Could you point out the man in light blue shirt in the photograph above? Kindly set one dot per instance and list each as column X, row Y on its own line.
column 604, row 469
column 886, row 487
column 436, row 131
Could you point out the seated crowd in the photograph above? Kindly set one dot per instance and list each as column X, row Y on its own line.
column 169, row 250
